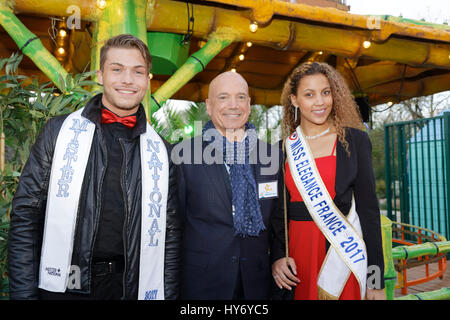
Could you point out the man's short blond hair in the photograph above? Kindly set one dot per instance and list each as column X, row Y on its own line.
column 127, row 41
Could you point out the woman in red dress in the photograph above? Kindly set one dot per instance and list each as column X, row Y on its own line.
column 317, row 98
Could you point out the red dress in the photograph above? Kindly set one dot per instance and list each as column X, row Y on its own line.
column 306, row 241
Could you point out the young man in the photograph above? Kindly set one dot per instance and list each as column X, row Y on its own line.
column 226, row 200
column 94, row 215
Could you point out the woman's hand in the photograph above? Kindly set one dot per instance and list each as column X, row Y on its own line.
column 375, row 294
column 284, row 272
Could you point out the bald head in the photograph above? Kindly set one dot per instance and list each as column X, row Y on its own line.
column 225, row 77
column 228, row 102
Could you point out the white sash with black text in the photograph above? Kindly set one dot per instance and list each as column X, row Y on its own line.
column 68, row 167
column 347, row 252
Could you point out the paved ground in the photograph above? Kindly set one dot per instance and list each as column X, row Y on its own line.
column 419, row 272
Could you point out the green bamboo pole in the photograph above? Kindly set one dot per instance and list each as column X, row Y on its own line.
column 390, row 275
column 31, row 46
column 408, row 252
column 193, row 65
column 441, row 294
column 118, row 17
column 429, row 248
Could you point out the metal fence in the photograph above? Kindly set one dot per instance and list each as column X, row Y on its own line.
column 417, row 166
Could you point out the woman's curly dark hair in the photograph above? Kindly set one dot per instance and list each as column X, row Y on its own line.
column 345, row 112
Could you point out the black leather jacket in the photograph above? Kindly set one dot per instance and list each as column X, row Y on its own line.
column 29, row 204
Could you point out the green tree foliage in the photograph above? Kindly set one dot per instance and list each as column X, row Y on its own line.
column 25, row 106
column 377, row 139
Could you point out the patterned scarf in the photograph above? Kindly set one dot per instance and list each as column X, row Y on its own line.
column 247, row 213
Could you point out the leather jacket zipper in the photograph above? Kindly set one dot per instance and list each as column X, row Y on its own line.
column 99, row 208
column 125, row 223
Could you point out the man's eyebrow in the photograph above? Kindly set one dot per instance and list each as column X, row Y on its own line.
column 121, row 65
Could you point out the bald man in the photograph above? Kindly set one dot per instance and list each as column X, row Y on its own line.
column 226, row 200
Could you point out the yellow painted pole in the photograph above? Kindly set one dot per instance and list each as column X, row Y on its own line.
column 409, row 89
column 290, row 35
column 87, row 9
column 263, row 11
column 384, row 71
column 406, row 47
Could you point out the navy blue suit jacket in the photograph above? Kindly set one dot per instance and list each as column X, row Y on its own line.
column 212, row 255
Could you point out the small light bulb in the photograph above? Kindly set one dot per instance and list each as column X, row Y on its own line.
column 62, row 33
column 241, row 57
column 320, row 52
column 253, row 27
column 233, row 70
column 390, row 103
column 101, row 4
column 61, row 51
column 367, row 44
column 249, row 44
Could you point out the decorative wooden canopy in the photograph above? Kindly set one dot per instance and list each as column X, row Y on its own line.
column 383, row 57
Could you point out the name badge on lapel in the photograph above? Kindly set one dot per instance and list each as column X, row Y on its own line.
column 268, row 190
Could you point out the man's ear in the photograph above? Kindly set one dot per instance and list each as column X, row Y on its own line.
column 100, row 76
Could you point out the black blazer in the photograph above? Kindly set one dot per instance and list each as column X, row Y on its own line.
column 212, row 255
column 354, row 174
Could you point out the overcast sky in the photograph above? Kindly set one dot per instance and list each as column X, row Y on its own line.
column 436, row 11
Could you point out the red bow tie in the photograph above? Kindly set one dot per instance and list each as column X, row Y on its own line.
column 110, row 117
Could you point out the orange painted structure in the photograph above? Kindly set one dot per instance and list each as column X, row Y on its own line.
column 409, row 235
